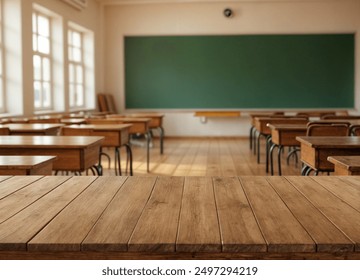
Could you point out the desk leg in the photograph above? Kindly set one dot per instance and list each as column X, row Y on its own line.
column 279, row 158
column 272, row 159
column 129, row 158
column 148, row 138
column 268, row 143
column 251, row 136
column 161, row 129
column 117, row 162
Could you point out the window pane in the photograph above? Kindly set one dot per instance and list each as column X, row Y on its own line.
column 71, row 73
column 77, row 55
column 46, row 69
column 35, row 44
column 72, row 95
column 37, row 67
column 37, row 94
column 46, row 95
column 76, row 39
column 34, row 25
column 79, row 95
column 44, row 26
column 79, row 75
column 44, row 45
column 70, row 54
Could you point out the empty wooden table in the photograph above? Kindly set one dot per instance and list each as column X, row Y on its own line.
column 180, row 217
column 316, row 149
column 26, row 165
column 74, row 153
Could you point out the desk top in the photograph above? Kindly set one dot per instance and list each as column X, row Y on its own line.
column 9, row 162
column 330, row 141
column 45, row 141
column 102, row 127
column 32, row 127
column 170, row 217
column 287, row 127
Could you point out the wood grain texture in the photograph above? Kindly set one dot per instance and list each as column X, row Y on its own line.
column 16, row 232
column 125, row 208
column 68, row 229
column 31, row 192
column 327, row 237
column 346, row 218
column 239, row 229
column 198, row 226
column 281, row 230
column 12, row 184
column 157, row 227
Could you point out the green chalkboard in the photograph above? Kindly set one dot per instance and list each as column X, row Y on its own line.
column 243, row 71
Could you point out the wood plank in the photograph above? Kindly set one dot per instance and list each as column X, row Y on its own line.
column 27, row 195
column 327, row 237
column 217, row 114
column 344, row 188
column 239, row 229
column 126, row 208
column 281, row 230
column 345, row 218
column 198, row 226
column 19, row 229
column 157, row 227
column 68, row 229
column 12, row 184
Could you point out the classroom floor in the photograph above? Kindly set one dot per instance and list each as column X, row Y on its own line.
column 200, row 157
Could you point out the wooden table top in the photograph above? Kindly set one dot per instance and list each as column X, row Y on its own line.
column 130, row 120
column 102, row 127
column 287, row 127
column 32, row 127
column 179, row 217
column 27, row 141
column 10, row 162
column 351, row 163
column 345, row 142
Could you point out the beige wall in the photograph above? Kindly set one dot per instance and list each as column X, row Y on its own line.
column 256, row 17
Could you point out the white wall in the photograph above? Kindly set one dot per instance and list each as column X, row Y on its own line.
column 256, row 17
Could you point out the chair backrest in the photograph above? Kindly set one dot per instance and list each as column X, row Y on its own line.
column 328, row 122
column 327, row 130
column 4, row 131
column 339, row 117
column 72, row 131
column 106, row 103
column 354, row 130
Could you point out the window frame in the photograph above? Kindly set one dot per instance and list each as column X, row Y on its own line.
column 73, row 82
column 42, row 55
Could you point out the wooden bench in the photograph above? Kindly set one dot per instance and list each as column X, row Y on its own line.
column 345, row 165
column 26, row 165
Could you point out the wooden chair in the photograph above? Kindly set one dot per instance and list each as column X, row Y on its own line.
column 324, row 130
column 106, row 103
column 354, row 130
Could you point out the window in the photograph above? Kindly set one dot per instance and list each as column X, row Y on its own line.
column 42, row 61
column 76, row 69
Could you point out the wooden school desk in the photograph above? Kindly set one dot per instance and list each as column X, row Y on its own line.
column 156, row 122
column 316, row 149
column 198, row 217
column 34, row 128
column 345, row 165
column 138, row 126
column 74, row 153
column 284, row 135
column 26, row 165
column 115, row 136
